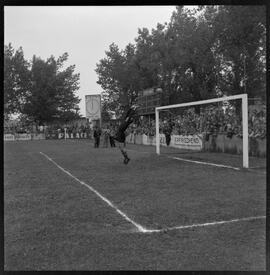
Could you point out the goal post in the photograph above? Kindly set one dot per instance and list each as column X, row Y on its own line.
column 244, row 99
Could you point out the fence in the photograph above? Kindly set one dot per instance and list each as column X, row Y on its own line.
column 219, row 143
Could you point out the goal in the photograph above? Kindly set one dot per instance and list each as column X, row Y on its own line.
column 244, row 107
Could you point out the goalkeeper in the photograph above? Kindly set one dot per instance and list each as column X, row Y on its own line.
column 120, row 135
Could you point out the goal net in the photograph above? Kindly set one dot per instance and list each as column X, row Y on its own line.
column 204, row 126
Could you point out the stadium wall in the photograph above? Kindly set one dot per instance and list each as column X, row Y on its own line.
column 41, row 136
column 14, row 137
column 234, row 145
column 219, row 143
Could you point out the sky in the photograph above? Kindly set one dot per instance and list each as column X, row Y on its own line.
column 84, row 32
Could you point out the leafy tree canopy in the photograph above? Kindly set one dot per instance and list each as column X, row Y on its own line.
column 41, row 90
column 17, row 79
column 203, row 53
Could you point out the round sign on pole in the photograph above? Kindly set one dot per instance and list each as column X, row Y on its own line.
column 93, row 106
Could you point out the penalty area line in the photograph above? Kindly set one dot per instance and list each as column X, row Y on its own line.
column 141, row 229
column 138, row 226
column 207, row 163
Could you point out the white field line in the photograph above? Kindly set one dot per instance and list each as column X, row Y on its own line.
column 194, row 161
column 204, row 224
column 207, row 163
column 139, row 151
column 139, row 227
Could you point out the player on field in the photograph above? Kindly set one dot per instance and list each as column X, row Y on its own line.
column 120, row 135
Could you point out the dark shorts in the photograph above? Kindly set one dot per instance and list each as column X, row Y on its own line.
column 120, row 137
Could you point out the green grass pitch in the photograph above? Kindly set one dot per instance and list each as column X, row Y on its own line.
column 52, row 222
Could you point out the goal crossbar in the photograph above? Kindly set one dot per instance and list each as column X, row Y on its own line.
column 244, row 99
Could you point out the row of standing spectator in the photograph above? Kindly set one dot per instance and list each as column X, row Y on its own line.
column 211, row 121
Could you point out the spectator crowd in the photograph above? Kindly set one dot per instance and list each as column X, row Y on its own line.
column 210, row 121
column 71, row 127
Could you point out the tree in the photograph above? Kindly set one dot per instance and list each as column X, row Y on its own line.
column 106, row 114
column 178, row 57
column 203, row 53
column 118, row 77
column 52, row 94
column 147, row 59
column 194, row 67
column 16, row 80
column 241, row 45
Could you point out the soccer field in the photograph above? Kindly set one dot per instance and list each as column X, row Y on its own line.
column 69, row 206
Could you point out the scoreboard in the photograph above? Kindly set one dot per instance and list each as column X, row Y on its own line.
column 148, row 100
